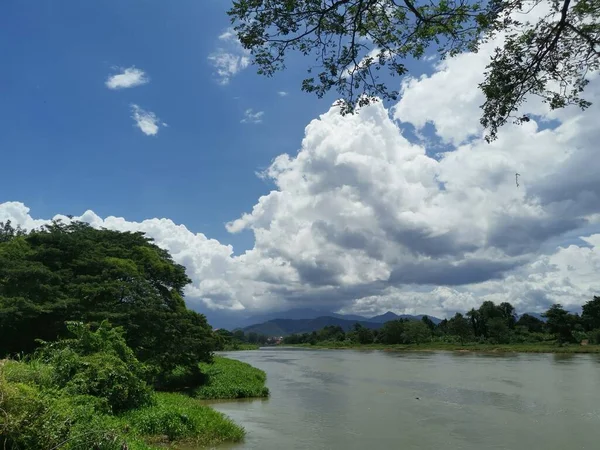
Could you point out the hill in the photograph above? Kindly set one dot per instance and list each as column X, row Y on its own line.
column 383, row 318
column 285, row 327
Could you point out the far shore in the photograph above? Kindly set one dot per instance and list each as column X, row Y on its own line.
column 457, row 348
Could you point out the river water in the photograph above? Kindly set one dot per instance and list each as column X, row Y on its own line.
column 344, row 399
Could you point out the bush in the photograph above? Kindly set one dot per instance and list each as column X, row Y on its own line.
column 594, row 336
column 34, row 418
column 105, row 376
column 100, row 364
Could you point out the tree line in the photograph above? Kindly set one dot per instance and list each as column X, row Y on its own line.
column 237, row 339
column 73, row 272
column 488, row 324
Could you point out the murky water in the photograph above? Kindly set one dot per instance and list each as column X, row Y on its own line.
column 333, row 399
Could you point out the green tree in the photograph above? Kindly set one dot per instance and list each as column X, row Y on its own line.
column 590, row 314
column 8, row 232
column 460, row 327
column 352, row 40
column 238, row 335
column 416, row 332
column 498, row 331
column 560, row 323
column 427, row 321
column 533, row 324
column 75, row 272
column 392, row 332
column 363, row 334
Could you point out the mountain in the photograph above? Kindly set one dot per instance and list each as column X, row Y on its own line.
column 295, row 314
column 285, row 327
column 392, row 316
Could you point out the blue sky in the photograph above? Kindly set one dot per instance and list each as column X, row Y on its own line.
column 362, row 217
column 64, row 129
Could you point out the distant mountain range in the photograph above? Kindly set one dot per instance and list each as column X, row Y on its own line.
column 306, row 320
column 283, row 326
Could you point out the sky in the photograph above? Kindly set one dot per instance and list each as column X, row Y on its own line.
column 149, row 116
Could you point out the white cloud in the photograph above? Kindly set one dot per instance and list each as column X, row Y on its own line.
column 230, row 58
column 363, row 220
column 282, row 93
column 146, row 120
column 130, row 77
column 250, row 116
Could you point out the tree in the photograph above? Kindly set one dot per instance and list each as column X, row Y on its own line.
column 498, row 331
column 352, row 40
column 416, row 332
column 590, row 314
column 75, row 272
column 460, row 327
column 392, row 332
column 427, row 321
column 560, row 323
column 533, row 324
column 8, row 232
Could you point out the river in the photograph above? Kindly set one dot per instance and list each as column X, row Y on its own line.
column 344, row 399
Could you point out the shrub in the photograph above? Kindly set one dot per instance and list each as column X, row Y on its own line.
column 100, row 364
column 34, row 418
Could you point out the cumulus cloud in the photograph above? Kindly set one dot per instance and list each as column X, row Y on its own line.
column 282, row 93
column 229, row 58
column 251, row 116
column 361, row 219
column 146, row 121
column 127, row 78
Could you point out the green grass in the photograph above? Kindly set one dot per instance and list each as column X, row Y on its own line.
column 36, row 414
column 177, row 418
column 228, row 379
column 541, row 347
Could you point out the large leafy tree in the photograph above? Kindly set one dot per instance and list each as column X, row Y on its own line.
column 591, row 314
column 352, row 40
column 72, row 271
column 560, row 323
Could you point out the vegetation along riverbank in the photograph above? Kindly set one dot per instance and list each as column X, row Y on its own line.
column 489, row 328
column 99, row 350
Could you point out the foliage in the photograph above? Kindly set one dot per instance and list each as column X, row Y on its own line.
column 36, row 418
column 531, row 323
column 590, row 314
column 238, row 340
column 228, row 378
column 416, row 332
column 181, row 418
column 75, row 394
column 560, row 323
column 73, row 272
column 352, row 40
column 459, row 326
column 490, row 324
column 8, row 232
column 98, row 363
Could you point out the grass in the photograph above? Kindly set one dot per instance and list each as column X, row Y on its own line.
column 34, row 413
column 540, row 347
column 229, row 379
column 177, row 418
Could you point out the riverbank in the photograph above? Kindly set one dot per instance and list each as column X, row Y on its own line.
column 36, row 413
column 231, row 379
column 466, row 348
